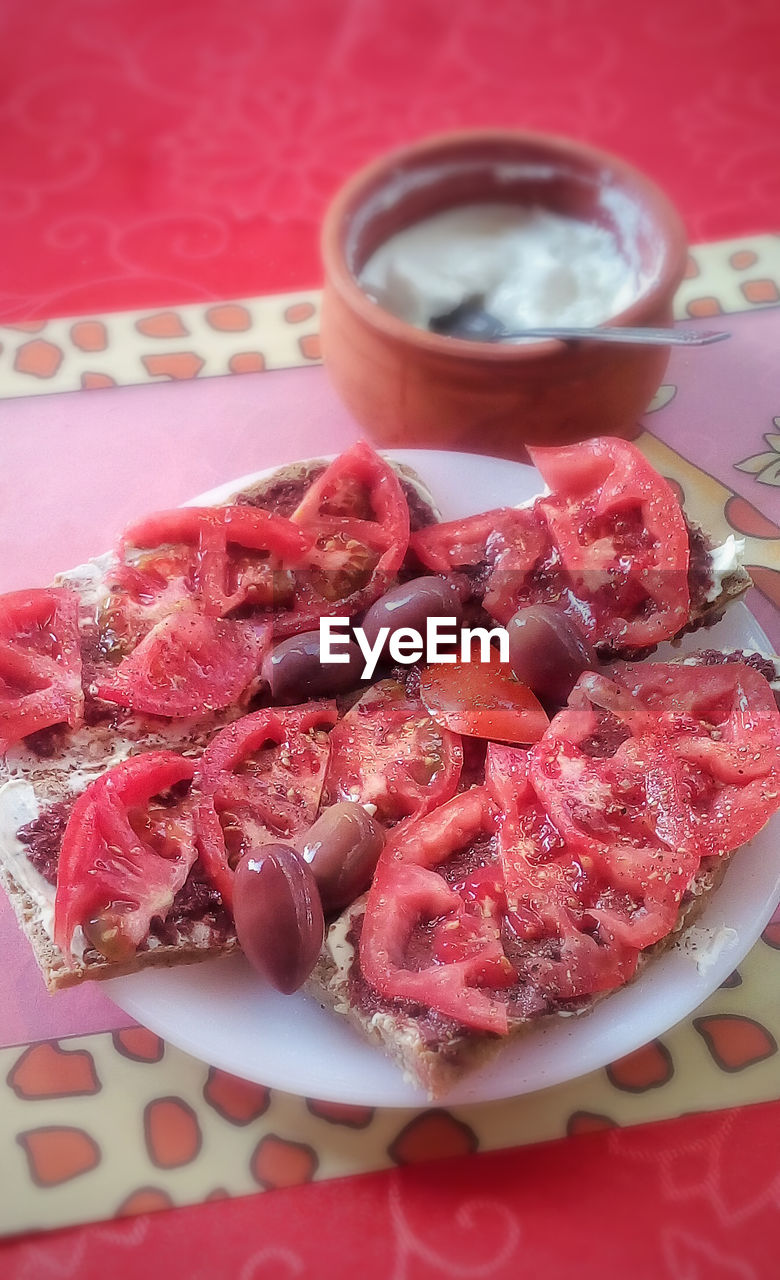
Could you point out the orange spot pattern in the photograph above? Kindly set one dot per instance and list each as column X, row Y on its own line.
column 247, row 362
column 58, row 1153
column 760, row 291
column 746, row 518
column 47, row 1071
column 341, row 1113
column 239, row 1101
column 699, row 307
column 175, row 365
column 297, row 312
column 165, row 324
column 92, row 381
column 139, row 1044
column 144, row 1200
column 735, row 1042
column 39, row 358
column 645, row 1068
column 742, row 258
column 278, row 1163
column 310, row 346
column 173, row 1136
column 27, row 326
column 433, row 1135
column 89, row 335
column 588, row 1122
column 230, row 317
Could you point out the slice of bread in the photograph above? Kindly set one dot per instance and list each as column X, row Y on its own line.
column 70, row 759
column 203, row 943
column 434, row 1052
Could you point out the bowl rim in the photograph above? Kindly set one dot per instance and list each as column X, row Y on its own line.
column 347, row 199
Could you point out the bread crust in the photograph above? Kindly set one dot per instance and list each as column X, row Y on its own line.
column 436, row 1068
column 59, row 974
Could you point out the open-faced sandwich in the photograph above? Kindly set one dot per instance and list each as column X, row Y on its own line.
column 442, row 850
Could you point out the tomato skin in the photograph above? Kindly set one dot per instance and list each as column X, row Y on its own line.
column 259, row 804
column 358, row 519
column 40, row 662
column 722, row 726
column 187, row 664
column 610, row 506
column 608, row 546
column 107, row 869
column 406, row 890
column 387, row 751
column 550, row 888
column 482, row 700
column 200, row 544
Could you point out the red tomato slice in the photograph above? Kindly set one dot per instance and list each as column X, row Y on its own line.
column 127, row 850
column 609, row 546
column 722, row 727
column 558, row 941
column 188, row 664
column 228, row 556
column 423, row 939
column 358, row 518
column 388, row 752
column 40, row 663
column 482, row 700
column 260, row 780
column 621, row 537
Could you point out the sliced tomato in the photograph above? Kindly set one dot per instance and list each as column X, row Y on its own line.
column 40, row 663
column 358, row 519
column 482, row 700
column 259, row 780
column 387, row 751
column 434, row 942
column 609, row 546
column 127, row 850
column 625, row 818
column 188, row 664
column 622, row 539
column 554, row 935
column 722, row 727
column 227, row 556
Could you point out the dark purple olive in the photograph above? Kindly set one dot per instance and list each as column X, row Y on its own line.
column 410, row 604
column 548, row 652
column 278, row 915
column 342, row 848
column 294, row 670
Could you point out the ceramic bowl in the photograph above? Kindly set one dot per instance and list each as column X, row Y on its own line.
column 407, row 386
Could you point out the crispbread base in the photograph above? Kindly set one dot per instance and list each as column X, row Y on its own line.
column 58, row 974
column 57, row 971
column 436, row 1068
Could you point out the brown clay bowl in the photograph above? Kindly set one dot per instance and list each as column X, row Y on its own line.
column 407, row 386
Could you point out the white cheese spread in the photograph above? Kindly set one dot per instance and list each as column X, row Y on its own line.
column 725, row 560
column 527, row 266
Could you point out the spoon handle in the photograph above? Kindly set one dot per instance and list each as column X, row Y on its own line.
column 648, row 337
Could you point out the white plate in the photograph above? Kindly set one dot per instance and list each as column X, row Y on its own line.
column 221, row 1012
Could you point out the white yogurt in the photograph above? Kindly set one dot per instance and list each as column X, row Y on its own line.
column 527, row 266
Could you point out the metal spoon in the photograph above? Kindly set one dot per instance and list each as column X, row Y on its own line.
column 471, row 321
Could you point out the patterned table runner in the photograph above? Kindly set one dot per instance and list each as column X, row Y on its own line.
column 98, row 1116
